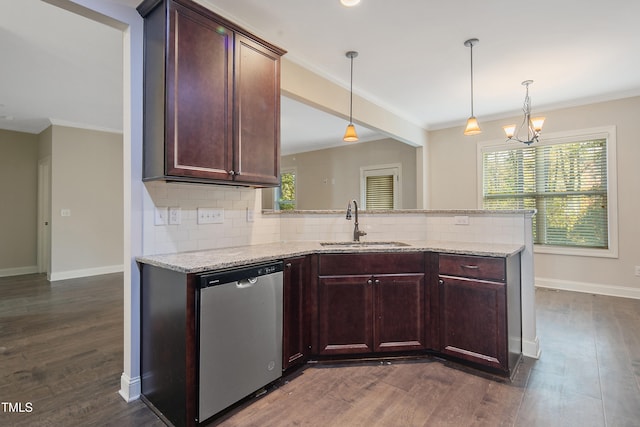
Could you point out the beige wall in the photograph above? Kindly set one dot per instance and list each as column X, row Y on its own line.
column 453, row 184
column 328, row 179
column 87, row 179
column 18, row 197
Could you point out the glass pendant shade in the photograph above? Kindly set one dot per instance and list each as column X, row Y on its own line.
column 349, row 3
column 473, row 128
column 350, row 135
column 537, row 123
column 509, row 130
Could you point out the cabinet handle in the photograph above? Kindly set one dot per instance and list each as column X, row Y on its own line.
column 377, row 282
column 369, row 282
column 288, row 265
column 231, row 172
column 441, row 282
column 470, row 267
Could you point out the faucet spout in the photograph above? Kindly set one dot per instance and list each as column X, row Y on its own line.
column 356, row 231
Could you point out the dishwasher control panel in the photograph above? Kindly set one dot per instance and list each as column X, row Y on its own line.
column 239, row 273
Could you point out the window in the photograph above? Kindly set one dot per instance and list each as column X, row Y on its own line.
column 380, row 186
column 568, row 180
column 285, row 195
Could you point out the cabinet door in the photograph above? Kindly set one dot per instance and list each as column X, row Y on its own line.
column 295, row 328
column 399, row 312
column 198, row 96
column 345, row 314
column 473, row 321
column 257, row 112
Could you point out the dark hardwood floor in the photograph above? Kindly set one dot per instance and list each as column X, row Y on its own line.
column 61, row 352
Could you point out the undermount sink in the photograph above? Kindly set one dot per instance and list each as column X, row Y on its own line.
column 365, row 244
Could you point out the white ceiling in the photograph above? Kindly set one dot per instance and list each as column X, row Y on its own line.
column 62, row 68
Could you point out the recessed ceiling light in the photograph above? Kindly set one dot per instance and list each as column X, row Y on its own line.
column 349, row 3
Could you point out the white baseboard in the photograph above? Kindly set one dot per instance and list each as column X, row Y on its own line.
column 6, row 272
column 531, row 348
column 130, row 388
column 74, row 274
column 590, row 288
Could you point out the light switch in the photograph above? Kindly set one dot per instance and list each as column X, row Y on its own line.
column 65, row 212
column 161, row 214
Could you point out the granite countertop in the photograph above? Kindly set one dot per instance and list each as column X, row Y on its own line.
column 215, row 259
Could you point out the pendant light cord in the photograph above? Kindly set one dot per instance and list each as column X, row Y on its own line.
column 351, row 94
column 471, row 47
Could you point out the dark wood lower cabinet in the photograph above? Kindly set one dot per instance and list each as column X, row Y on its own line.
column 344, row 306
column 472, row 322
column 399, row 312
column 480, row 310
column 295, row 332
column 460, row 306
column 345, row 315
column 168, row 343
column 382, row 310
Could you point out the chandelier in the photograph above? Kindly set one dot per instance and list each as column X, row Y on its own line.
column 533, row 125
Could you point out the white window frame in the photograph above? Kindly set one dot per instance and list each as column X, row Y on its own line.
column 608, row 132
column 394, row 169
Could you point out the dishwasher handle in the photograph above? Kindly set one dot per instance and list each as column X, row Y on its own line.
column 246, row 283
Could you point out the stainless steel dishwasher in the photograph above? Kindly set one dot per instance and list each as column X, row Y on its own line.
column 240, row 331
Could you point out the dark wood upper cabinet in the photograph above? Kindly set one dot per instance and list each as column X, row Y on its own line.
column 257, row 108
column 211, row 98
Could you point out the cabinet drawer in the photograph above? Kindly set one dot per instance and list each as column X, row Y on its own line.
column 371, row 263
column 475, row 267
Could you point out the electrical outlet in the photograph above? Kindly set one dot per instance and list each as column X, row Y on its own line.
column 637, row 270
column 210, row 216
column 175, row 216
column 461, row 220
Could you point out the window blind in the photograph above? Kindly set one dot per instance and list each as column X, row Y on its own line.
column 379, row 192
column 565, row 182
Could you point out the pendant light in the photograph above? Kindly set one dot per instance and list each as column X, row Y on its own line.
column 350, row 135
column 472, row 128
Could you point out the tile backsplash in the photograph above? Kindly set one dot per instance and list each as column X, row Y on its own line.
column 237, row 229
column 240, row 228
column 418, row 226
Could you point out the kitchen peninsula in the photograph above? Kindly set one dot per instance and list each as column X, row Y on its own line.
column 458, row 298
